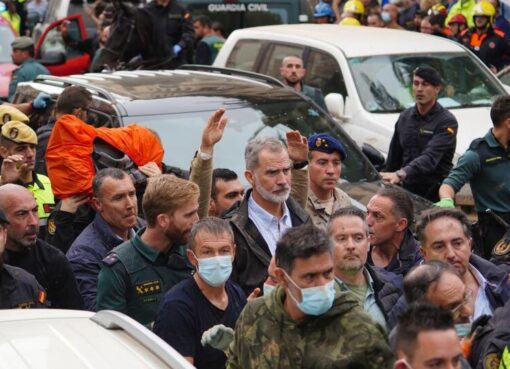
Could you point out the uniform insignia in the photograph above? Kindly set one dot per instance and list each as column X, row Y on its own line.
column 492, row 45
column 427, row 132
column 318, row 142
column 450, row 130
column 501, row 248
column 148, row 288
column 48, row 208
column 6, row 118
column 110, row 259
column 41, row 297
column 491, row 361
column 52, row 227
column 13, row 133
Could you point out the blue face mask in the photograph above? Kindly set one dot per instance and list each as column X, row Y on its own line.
column 463, row 329
column 316, row 300
column 267, row 289
column 386, row 17
column 216, row 270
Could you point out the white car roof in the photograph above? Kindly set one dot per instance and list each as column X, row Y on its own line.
column 58, row 339
column 354, row 41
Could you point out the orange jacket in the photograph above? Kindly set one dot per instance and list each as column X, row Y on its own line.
column 69, row 152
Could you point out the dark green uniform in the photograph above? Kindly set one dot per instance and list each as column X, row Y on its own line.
column 134, row 278
column 344, row 337
column 25, row 72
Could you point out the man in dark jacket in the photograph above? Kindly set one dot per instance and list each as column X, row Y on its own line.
column 116, row 217
column 376, row 290
column 422, row 147
column 390, row 215
column 23, row 249
column 267, row 211
column 445, row 235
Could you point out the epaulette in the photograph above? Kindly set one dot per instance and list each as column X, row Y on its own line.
column 110, row 259
column 476, row 143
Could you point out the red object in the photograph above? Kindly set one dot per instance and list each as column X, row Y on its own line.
column 458, row 18
column 69, row 153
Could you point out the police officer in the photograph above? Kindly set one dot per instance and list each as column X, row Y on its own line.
column 421, row 150
column 208, row 44
column 174, row 21
column 135, row 275
column 18, row 288
column 486, row 166
column 18, row 149
column 488, row 43
column 22, row 55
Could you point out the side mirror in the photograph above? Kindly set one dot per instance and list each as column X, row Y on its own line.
column 336, row 106
column 374, row 156
column 53, row 57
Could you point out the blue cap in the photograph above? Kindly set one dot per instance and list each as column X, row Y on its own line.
column 323, row 10
column 326, row 143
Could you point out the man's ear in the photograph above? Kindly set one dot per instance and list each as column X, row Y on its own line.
column 280, row 277
column 163, row 220
column 401, row 225
column 191, row 258
column 248, row 174
column 212, row 207
column 423, row 251
column 96, row 204
column 400, row 364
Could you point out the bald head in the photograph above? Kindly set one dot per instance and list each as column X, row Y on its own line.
column 11, row 193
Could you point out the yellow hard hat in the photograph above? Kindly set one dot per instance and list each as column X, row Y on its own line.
column 355, row 7
column 350, row 21
column 8, row 113
column 486, row 9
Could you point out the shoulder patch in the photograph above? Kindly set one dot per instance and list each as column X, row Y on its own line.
column 52, row 226
column 491, row 361
column 110, row 259
column 148, row 288
column 501, row 248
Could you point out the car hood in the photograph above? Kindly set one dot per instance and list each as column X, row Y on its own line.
column 473, row 123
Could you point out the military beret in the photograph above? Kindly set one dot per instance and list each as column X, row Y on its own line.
column 23, row 42
column 326, row 143
column 8, row 113
column 3, row 218
column 429, row 74
column 18, row 132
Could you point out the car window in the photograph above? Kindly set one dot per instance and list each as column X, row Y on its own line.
column 323, row 71
column 244, row 55
column 273, row 59
column 181, row 133
column 54, row 39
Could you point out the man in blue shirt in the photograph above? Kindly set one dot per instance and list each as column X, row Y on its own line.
column 208, row 299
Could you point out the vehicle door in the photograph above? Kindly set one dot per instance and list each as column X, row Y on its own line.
column 62, row 47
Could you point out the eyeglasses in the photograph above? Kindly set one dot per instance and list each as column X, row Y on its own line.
column 467, row 298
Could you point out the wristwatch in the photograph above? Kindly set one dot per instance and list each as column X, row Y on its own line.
column 300, row 165
column 204, row 156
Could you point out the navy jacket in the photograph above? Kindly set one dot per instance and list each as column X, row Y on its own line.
column 85, row 256
column 498, row 288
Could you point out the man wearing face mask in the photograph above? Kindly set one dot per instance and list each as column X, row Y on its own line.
column 208, row 299
column 306, row 321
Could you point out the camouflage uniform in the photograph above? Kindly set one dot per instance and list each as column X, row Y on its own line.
column 319, row 210
column 344, row 337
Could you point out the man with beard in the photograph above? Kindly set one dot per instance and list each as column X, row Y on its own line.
column 421, row 150
column 24, row 250
column 376, row 290
column 292, row 72
column 135, row 275
column 266, row 212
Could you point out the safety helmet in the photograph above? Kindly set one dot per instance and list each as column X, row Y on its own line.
column 350, row 21
column 458, row 18
column 438, row 9
column 323, row 10
column 354, row 7
column 484, row 8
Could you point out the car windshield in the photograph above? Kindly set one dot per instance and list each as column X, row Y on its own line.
column 181, row 134
column 384, row 82
column 6, row 37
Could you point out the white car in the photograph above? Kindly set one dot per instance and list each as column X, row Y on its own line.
column 70, row 339
column 366, row 74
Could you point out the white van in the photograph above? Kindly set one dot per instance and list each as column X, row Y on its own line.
column 366, row 74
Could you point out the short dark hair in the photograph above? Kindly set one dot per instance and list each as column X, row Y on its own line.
column 72, row 97
column 418, row 281
column 303, row 241
column 218, row 27
column 430, row 215
column 346, row 212
column 222, row 174
column 420, row 318
column 102, row 174
column 500, row 110
column 204, row 20
column 402, row 204
column 211, row 225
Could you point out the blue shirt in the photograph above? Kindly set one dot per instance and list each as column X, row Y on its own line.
column 186, row 314
column 270, row 227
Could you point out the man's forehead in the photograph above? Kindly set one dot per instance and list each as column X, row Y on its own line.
column 273, row 158
column 292, row 60
column 315, row 264
column 206, row 238
column 444, row 229
column 448, row 289
column 348, row 224
column 380, row 203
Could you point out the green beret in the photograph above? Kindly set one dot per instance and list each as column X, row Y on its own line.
column 22, row 43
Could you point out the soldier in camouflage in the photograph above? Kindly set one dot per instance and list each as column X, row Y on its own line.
column 306, row 322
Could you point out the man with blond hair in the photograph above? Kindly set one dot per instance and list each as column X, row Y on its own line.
column 136, row 274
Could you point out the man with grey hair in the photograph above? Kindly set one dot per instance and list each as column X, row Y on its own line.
column 206, row 300
column 115, row 222
column 267, row 211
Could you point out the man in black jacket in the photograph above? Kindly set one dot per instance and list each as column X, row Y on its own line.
column 267, row 211
column 376, row 290
column 23, row 249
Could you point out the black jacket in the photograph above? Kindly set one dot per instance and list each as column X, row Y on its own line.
column 498, row 287
column 52, row 270
column 252, row 253
column 19, row 289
